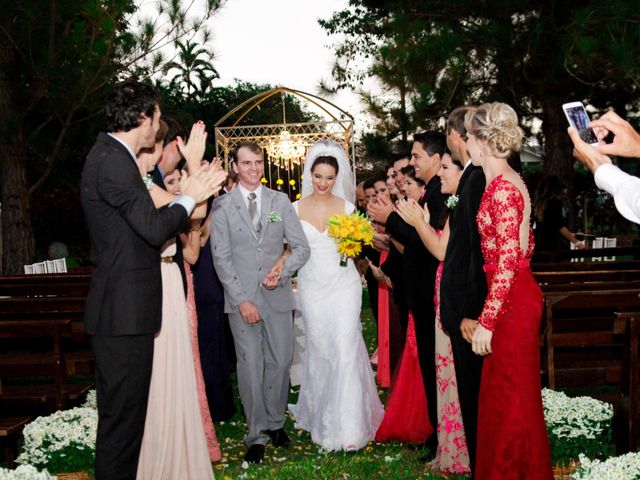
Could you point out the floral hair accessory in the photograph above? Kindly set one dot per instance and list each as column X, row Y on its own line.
column 452, row 202
column 274, row 217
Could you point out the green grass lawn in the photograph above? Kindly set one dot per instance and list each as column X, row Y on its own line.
column 306, row 460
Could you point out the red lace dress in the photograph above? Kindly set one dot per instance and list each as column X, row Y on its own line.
column 512, row 437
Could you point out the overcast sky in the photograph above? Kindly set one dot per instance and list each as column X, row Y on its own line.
column 278, row 42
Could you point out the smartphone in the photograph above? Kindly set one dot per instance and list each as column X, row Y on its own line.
column 579, row 119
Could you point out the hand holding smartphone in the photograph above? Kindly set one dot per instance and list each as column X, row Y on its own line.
column 579, row 119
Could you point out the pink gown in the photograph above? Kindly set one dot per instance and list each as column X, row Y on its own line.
column 512, row 436
column 212, row 442
column 174, row 445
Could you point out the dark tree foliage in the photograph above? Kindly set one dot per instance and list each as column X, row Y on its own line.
column 433, row 55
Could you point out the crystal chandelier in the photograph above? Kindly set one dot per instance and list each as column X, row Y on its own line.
column 286, row 150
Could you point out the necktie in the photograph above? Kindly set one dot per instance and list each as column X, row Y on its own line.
column 253, row 213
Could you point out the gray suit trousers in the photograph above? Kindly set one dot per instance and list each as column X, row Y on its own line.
column 264, row 351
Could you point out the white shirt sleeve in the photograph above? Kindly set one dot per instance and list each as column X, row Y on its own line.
column 187, row 202
column 625, row 189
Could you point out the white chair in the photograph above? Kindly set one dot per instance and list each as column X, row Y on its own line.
column 60, row 265
column 598, row 242
column 28, row 269
column 610, row 243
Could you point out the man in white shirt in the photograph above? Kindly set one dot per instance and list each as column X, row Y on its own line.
column 625, row 188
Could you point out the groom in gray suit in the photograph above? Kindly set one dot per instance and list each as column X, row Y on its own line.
column 249, row 226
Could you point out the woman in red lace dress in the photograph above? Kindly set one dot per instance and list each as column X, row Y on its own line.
column 512, row 438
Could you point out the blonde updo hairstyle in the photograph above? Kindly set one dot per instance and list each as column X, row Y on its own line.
column 496, row 124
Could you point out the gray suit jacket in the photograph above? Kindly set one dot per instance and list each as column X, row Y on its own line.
column 243, row 258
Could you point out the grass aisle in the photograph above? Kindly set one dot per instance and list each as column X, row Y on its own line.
column 306, row 460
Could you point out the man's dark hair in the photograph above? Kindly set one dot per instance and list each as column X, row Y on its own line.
column 252, row 146
column 433, row 142
column 127, row 102
column 455, row 120
column 176, row 129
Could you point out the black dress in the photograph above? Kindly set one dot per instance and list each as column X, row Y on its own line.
column 211, row 336
column 547, row 232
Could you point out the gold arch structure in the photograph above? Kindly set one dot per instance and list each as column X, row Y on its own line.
column 285, row 144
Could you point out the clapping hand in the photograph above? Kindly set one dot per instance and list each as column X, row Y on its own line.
column 411, row 212
column 380, row 209
column 204, row 183
column 193, row 150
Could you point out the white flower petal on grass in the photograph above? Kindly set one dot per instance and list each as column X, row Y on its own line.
column 245, row 465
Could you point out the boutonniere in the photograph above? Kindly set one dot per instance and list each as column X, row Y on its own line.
column 452, row 202
column 148, row 181
column 274, row 217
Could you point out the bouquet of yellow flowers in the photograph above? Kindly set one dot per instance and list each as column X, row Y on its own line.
column 350, row 232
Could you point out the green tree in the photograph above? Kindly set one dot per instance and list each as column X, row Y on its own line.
column 534, row 55
column 57, row 60
column 192, row 70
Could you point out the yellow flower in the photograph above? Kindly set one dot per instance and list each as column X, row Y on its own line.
column 350, row 232
column 263, row 180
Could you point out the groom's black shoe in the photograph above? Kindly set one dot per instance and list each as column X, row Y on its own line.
column 255, row 453
column 279, row 438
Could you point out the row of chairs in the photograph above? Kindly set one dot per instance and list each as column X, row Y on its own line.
column 48, row 266
column 598, row 242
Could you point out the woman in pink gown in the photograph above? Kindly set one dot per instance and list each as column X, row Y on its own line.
column 512, row 437
column 174, row 444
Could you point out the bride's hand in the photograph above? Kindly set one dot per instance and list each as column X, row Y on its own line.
column 410, row 212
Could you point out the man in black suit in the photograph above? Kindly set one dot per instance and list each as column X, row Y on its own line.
column 418, row 265
column 463, row 287
column 123, row 309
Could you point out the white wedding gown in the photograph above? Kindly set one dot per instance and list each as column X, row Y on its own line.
column 338, row 401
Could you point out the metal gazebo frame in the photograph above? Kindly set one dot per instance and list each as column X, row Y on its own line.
column 339, row 127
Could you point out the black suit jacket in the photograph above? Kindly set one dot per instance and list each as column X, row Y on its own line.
column 126, row 230
column 418, row 265
column 463, row 288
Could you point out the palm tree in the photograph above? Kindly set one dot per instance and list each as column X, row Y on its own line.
column 194, row 69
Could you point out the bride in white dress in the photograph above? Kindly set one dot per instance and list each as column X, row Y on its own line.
column 338, row 401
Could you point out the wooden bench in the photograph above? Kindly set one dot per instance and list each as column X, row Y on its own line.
column 41, row 318
column 597, row 275
column 10, row 429
column 589, row 338
column 66, row 284
column 52, row 390
column 568, row 255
